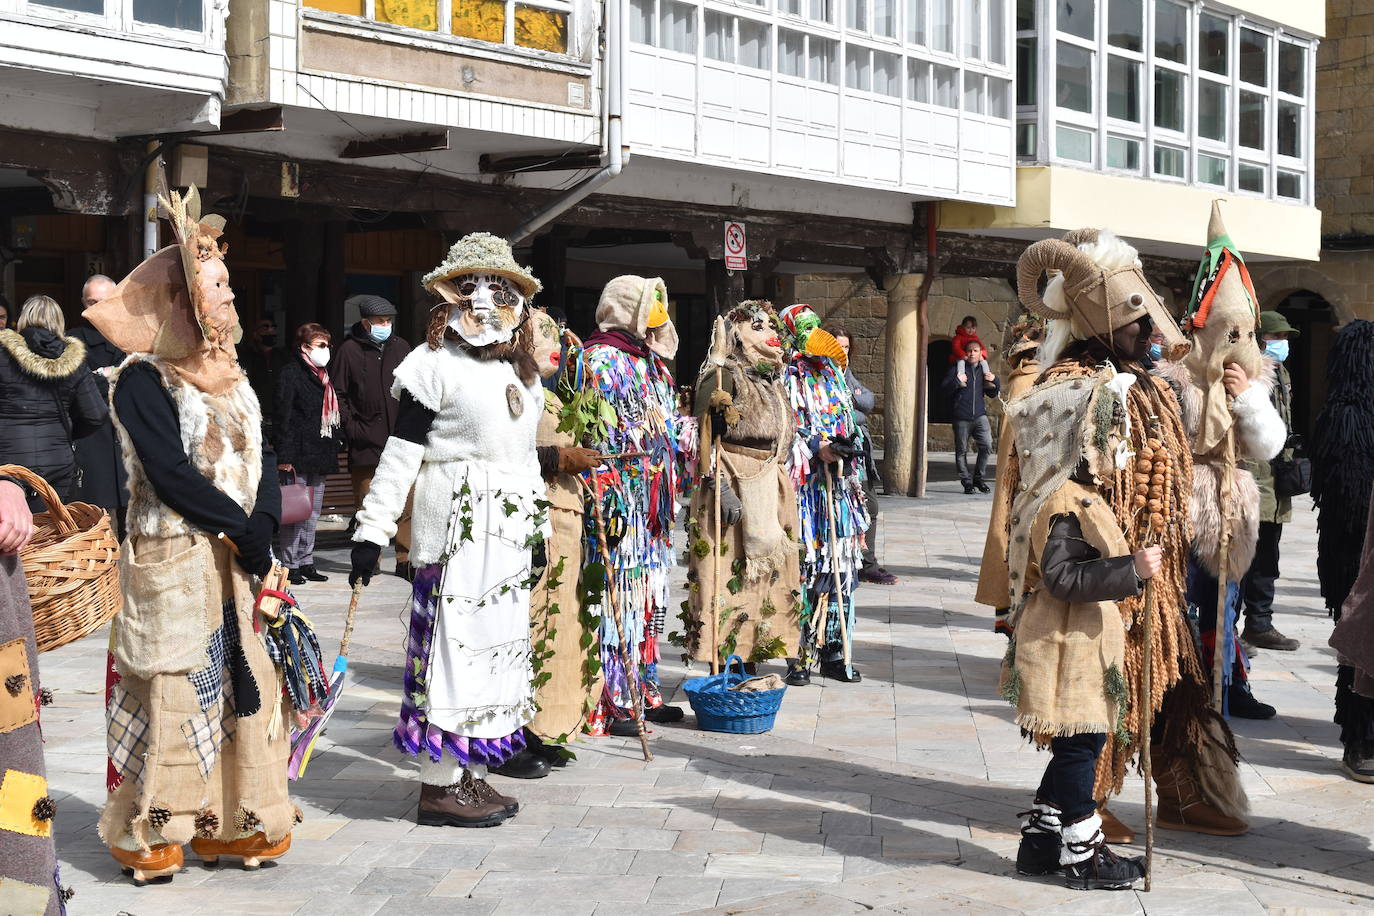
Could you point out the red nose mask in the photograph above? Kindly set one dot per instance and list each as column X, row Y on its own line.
column 555, row 358
column 773, row 341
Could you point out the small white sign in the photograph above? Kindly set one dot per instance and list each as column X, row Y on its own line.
column 736, row 250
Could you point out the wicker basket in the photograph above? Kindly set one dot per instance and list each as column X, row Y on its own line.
column 71, row 565
column 720, row 709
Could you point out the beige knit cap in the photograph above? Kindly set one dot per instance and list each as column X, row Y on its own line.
column 626, row 302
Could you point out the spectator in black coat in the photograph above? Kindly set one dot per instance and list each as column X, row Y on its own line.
column 48, row 398
column 970, row 414
column 104, row 481
column 4, row 313
column 309, row 421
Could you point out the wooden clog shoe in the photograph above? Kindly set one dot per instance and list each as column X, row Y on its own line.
column 160, row 861
column 253, row 850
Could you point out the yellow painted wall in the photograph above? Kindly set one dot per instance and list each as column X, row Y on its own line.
column 1307, row 16
column 1058, row 199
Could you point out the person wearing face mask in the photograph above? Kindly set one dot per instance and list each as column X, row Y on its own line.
column 1275, row 508
column 309, row 419
column 363, row 371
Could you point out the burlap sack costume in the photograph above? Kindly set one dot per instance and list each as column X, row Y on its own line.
column 758, row 570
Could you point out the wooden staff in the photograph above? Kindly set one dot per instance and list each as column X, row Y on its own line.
column 1147, row 692
column 631, row 671
column 1228, row 469
column 834, row 564
column 718, row 536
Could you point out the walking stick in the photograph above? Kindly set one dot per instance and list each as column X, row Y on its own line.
column 1227, row 476
column 631, row 671
column 715, row 554
column 1147, row 691
column 834, row 567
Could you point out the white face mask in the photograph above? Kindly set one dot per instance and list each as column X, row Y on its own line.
column 488, row 310
column 320, row 356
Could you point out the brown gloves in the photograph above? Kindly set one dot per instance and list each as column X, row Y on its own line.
column 575, row 460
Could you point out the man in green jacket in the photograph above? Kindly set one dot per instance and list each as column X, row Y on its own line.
column 1258, row 584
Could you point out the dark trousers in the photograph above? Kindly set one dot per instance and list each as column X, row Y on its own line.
column 1068, row 780
column 871, row 500
column 981, row 430
column 1258, row 585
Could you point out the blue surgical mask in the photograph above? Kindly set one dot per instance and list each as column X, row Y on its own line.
column 1277, row 349
column 379, row 332
column 1156, row 351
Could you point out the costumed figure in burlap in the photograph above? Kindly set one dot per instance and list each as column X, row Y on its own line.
column 626, row 408
column 1101, row 477
column 828, row 474
column 1223, row 387
column 1023, row 367
column 567, row 677
column 752, row 566
column 29, row 881
column 1342, row 478
column 198, row 734
column 465, row 439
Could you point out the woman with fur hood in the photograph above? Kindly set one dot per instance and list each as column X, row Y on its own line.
column 48, row 397
column 465, row 439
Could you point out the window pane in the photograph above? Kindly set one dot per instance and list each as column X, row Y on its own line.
column 1290, row 129
column 1027, row 69
column 856, row 73
column 98, row 6
column 1211, row 110
column 1123, row 153
column 485, row 20
column 1211, row 170
column 823, row 10
column 641, row 20
column 716, row 41
column 1169, row 161
column 1211, row 43
column 416, row 14
column 1251, row 120
column 886, row 74
column 1171, row 89
column 885, row 18
column 1250, row 178
column 677, row 26
column 1076, row 17
column 946, row 92
column 1123, row 89
column 1025, row 15
column 1292, row 68
column 753, row 43
column 1254, row 57
column 916, row 22
column 856, row 14
column 973, row 28
column 1171, row 31
column 821, row 61
column 794, row 7
column 1289, row 185
column 917, row 80
column 1074, row 79
column 942, row 25
column 186, row 14
column 997, row 31
column 791, row 53
column 1026, row 134
column 545, row 30
column 973, row 92
column 999, row 98
column 1070, row 143
column 1124, row 24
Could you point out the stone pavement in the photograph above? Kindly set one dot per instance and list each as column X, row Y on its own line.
column 896, row 795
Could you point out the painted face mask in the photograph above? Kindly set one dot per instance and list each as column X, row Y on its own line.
column 548, row 344
column 756, row 340
column 487, row 309
column 798, row 323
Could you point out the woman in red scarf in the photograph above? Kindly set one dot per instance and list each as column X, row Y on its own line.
column 307, row 426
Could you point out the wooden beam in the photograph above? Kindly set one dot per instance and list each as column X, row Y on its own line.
column 251, row 121
column 564, row 161
column 396, row 146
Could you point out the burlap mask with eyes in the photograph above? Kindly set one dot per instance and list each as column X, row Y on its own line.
column 754, row 336
column 486, row 308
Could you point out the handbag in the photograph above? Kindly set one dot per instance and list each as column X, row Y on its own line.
column 1292, row 476
column 296, row 504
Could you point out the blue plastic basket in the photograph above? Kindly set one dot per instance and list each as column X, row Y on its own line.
column 720, row 709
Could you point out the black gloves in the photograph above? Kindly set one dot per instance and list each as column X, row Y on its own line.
column 364, row 559
column 730, row 506
column 843, row 447
column 255, row 545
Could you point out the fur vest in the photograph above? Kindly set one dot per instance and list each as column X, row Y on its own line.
column 222, row 436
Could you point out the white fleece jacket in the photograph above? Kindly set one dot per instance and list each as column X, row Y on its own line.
column 1260, row 432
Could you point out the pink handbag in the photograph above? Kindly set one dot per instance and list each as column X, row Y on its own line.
column 296, row 505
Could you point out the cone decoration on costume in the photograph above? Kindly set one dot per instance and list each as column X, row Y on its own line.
column 822, row 343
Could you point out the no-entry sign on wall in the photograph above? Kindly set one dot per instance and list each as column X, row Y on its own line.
column 736, row 251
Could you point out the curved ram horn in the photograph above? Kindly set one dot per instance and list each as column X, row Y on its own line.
column 1048, row 254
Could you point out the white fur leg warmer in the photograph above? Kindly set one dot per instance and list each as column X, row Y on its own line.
column 1081, row 838
column 386, row 499
column 1041, row 818
column 447, row 772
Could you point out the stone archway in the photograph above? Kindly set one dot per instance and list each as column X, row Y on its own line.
column 1276, row 285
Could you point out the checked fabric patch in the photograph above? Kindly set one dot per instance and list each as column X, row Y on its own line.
column 209, row 681
column 207, row 731
column 126, row 738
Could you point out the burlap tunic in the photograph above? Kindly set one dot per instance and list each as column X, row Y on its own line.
column 993, row 588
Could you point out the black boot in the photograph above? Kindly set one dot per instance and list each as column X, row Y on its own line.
column 313, row 574
column 1241, row 703
column 1038, row 853
column 798, row 675
column 1102, row 869
column 661, row 714
column 839, row 671
column 295, row 577
column 524, row 765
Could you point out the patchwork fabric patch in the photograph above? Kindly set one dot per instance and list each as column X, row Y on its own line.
column 209, row 681
column 19, row 792
column 247, row 699
column 126, row 733
column 22, row 899
column 204, row 734
column 17, row 707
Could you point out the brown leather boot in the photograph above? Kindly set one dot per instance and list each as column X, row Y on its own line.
column 487, row 793
column 1112, row 828
column 456, row 806
column 161, row 860
column 1182, row 805
column 253, row 850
